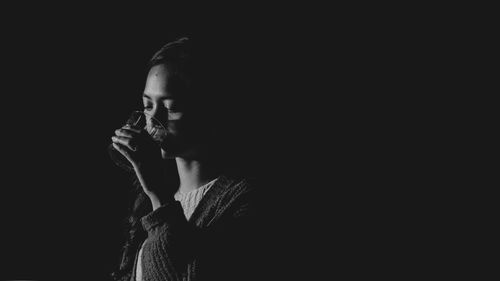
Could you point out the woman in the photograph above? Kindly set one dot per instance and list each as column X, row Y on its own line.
column 191, row 219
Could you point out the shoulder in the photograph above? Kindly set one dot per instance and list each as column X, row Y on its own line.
column 232, row 191
column 234, row 185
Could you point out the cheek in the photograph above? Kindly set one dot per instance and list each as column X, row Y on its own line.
column 186, row 128
column 173, row 128
column 180, row 127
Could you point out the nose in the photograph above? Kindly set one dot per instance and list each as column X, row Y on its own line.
column 160, row 113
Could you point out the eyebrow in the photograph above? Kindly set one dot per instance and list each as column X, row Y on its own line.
column 162, row 98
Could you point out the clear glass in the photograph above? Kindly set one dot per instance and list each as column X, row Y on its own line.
column 139, row 120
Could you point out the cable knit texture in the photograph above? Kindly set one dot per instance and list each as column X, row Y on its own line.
column 214, row 241
column 189, row 201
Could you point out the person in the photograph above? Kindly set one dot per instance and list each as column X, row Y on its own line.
column 193, row 219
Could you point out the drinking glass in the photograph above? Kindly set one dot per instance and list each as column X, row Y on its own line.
column 139, row 120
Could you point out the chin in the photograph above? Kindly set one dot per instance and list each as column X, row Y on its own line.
column 165, row 155
column 192, row 153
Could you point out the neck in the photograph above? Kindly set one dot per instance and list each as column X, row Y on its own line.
column 193, row 174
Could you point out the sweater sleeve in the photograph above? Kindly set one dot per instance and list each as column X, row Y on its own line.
column 164, row 252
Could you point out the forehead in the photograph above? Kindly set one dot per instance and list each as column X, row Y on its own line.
column 163, row 82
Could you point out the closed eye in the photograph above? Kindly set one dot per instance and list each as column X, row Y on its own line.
column 173, row 115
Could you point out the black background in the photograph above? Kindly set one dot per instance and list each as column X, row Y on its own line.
column 317, row 123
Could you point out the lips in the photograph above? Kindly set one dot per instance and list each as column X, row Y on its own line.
column 157, row 133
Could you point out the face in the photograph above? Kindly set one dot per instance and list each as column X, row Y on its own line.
column 165, row 99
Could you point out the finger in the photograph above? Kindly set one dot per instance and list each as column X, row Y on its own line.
column 125, row 133
column 139, row 135
column 131, row 129
column 124, row 151
column 124, row 141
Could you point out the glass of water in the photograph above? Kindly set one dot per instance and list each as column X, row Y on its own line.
column 139, row 120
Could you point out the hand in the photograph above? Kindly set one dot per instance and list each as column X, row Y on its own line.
column 145, row 156
column 137, row 146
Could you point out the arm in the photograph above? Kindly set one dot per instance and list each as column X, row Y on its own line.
column 165, row 252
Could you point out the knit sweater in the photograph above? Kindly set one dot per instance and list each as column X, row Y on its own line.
column 189, row 201
column 218, row 242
